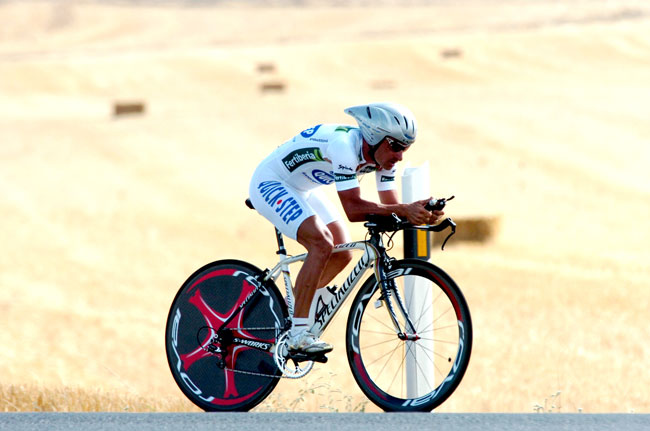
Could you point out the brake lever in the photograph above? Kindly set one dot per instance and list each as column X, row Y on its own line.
column 442, row 226
column 453, row 231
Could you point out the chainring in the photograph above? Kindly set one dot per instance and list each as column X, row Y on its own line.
column 283, row 361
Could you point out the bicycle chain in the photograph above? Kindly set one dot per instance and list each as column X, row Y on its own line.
column 267, row 328
column 252, row 373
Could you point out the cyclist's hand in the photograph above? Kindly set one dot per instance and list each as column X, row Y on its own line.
column 435, row 216
column 417, row 214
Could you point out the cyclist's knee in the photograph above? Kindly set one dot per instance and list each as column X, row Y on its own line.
column 315, row 237
column 323, row 246
column 344, row 257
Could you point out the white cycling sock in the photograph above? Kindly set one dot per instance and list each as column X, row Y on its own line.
column 300, row 324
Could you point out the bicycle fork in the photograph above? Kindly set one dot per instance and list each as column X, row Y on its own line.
column 389, row 290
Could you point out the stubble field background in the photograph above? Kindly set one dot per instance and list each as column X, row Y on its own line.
column 532, row 113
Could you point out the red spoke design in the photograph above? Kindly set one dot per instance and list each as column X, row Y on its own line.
column 213, row 321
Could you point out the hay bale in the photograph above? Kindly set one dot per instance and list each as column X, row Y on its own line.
column 451, row 53
column 265, row 67
column 272, row 87
column 128, row 108
column 470, row 229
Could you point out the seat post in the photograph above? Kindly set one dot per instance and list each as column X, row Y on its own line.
column 281, row 250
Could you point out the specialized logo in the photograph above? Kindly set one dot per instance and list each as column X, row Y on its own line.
column 297, row 158
column 321, row 310
column 324, row 311
column 252, row 343
column 308, row 133
column 386, row 179
column 276, row 195
column 323, row 307
column 322, row 176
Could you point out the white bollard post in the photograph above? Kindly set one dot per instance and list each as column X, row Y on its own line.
column 417, row 292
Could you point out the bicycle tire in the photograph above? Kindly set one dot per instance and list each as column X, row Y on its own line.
column 209, row 297
column 436, row 362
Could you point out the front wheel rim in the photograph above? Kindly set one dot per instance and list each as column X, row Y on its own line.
column 385, row 365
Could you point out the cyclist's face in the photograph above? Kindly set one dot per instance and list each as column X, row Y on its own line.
column 389, row 153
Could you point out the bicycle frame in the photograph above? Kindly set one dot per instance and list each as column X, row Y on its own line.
column 235, row 317
column 371, row 254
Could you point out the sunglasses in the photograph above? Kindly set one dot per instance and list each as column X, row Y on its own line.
column 395, row 145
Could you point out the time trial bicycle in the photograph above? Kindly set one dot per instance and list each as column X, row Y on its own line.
column 408, row 335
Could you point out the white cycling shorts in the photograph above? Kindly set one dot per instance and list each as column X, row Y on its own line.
column 286, row 207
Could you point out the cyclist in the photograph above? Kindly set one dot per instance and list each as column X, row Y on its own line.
column 285, row 190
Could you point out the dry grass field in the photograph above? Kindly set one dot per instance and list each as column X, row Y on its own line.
column 535, row 114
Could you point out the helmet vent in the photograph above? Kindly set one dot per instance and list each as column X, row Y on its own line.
column 377, row 120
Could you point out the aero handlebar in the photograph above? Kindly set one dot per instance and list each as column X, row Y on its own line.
column 394, row 223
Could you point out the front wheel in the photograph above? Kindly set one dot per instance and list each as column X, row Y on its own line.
column 409, row 370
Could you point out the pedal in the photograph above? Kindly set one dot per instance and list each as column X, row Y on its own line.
column 320, row 358
column 302, row 357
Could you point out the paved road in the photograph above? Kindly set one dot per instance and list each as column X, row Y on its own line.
column 321, row 422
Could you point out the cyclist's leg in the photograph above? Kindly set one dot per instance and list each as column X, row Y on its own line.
column 315, row 236
column 337, row 261
column 332, row 218
column 289, row 211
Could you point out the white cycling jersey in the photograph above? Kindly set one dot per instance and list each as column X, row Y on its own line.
column 325, row 154
column 283, row 185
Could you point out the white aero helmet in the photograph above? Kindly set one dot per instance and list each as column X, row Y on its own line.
column 378, row 120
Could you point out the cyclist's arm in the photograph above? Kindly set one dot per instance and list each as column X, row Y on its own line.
column 388, row 197
column 391, row 197
column 356, row 208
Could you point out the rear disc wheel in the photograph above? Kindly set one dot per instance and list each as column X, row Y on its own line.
column 212, row 371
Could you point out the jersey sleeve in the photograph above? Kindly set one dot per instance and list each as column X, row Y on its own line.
column 385, row 180
column 344, row 163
